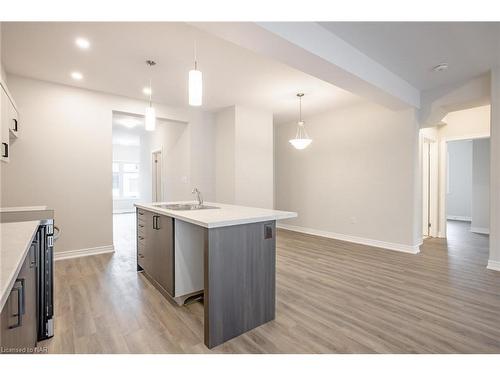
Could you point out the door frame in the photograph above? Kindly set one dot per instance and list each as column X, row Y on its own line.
column 432, row 185
column 153, row 174
column 443, row 173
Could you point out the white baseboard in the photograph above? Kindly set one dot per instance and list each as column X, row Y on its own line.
column 415, row 249
column 459, row 218
column 493, row 265
column 83, row 252
column 480, row 230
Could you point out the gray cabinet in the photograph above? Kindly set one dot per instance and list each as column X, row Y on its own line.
column 18, row 332
column 163, row 252
column 155, row 249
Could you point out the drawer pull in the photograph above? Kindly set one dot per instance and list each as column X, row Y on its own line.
column 5, row 153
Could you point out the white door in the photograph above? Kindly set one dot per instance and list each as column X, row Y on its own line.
column 156, row 176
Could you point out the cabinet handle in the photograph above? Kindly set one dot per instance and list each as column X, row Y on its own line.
column 141, row 238
column 5, row 153
column 15, row 124
column 156, row 222
column 33, row 263
column 20, row 304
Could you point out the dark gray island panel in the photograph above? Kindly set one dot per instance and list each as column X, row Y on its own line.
column 240, row 279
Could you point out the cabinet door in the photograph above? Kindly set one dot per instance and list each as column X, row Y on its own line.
column 164, row 253
column 30, row 312
column 18, row 317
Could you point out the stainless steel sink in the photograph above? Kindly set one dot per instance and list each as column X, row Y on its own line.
column 185, row 206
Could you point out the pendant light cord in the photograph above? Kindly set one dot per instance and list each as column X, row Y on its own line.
column 300, row 108
column 150, row 88
column 195, row 57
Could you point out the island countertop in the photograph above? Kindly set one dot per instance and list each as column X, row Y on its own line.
column 15, row 240
column 223, row 216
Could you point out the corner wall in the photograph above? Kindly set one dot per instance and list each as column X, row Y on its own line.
column 245, row 157
column 480, row 186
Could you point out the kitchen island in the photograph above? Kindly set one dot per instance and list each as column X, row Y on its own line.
column 226, row 252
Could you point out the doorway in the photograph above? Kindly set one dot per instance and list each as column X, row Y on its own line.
column 465, row 187
column 156, row 174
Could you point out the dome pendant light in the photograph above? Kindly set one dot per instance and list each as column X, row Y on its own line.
column 195, row 84
column 150, row 115
column 301, row 140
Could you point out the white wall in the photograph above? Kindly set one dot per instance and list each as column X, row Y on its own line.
column 64, row 156
column 224, row 155
column 480, row 186
column 254, row 173
column 245, row 160
column 358, row 178
column 468, row 122
column 459, row 192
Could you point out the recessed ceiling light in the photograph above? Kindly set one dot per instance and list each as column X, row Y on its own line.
column 440, row 67
column 77, row 76
column 82, row 43
column 146, row 90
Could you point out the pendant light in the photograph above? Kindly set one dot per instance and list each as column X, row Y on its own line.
column 301, row 140
column 150, row 115
column 195, row 83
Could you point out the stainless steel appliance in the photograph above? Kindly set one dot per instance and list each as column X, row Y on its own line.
column 44, row 250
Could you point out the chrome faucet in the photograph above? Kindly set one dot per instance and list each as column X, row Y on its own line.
column 198, row 196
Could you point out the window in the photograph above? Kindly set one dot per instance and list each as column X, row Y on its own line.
column 125, row 180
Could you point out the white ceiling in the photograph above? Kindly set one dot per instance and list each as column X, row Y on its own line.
column 412, row 49
column 115, row 63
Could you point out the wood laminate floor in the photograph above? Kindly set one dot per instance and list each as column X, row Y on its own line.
column 332, row 297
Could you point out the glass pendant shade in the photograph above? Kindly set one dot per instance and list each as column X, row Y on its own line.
column 301, row 140
column 150, row 119
column 195, row 87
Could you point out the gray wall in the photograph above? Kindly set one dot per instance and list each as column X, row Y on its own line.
column 459, row 192
column 481, row 186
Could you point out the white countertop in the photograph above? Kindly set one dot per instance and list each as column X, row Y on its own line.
column 23, row 209
column 225, row 215
column 15, row 241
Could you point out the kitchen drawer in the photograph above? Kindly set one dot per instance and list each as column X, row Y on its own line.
column 141, row 228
